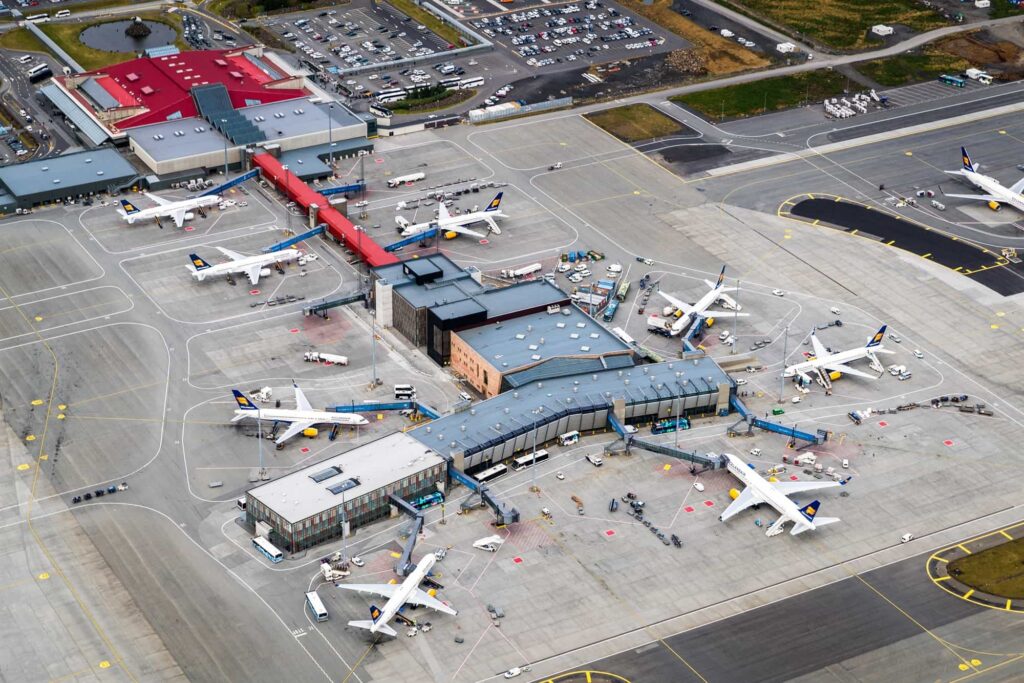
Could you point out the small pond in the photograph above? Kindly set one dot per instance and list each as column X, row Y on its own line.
column 110, row 37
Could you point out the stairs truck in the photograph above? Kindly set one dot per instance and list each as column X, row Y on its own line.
column 517, row 273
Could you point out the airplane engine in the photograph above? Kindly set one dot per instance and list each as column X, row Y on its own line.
column 734, row 494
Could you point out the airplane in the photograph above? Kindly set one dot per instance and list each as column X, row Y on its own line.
column 179, row 210
column 995, row 192
column 250, row 265
column 301, row 417
column 776, row 493
column 448, row 223
column 824, row 362
column 699, row 309
column 398, row 595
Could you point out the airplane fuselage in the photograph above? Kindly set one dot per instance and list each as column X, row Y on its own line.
column 314, row 416
column 995, row 188
column 462, row 221
column 835, row 358
column 396, row 601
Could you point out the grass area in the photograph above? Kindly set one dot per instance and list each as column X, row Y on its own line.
column 98, row 4
column 66, row 35
column 250, row 9
column 635, row 122
column 843, row 24
column 1003, row 8
column 998, row 570
column 267, row 37
column 769, row 94
column 437, row 99
column 723, row 56
column 21, row 39
column 428, row 19
column 913, row 67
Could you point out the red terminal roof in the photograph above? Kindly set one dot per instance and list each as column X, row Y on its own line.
column 163, row 84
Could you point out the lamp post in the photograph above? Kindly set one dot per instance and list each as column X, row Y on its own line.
column 785, row 352
column 222, row 132
column 533, row 465
column 735, row 316
column 287, row 194
column 330, row 135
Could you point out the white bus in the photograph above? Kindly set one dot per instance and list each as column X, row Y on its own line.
column 491, row 473
column 393, row 97
column 467, row 83
column 621, row 334
column 37, row 69
column 316, row 606
column 38, row 18
column 569, row 438
column 62, row 14
column 524, row 461
column 268, row 549
column 405, row 392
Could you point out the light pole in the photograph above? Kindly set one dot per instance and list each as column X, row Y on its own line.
column 533, row 465
column 330, row 135
column 287, row 194
column 679, row 410
column 785, row 351
column 735, row 316
column 222, row 132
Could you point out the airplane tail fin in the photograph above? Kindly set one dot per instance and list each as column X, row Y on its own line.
column 198, row 263
column 367, row 624
column 128, row 208
column 243, row 402
column 721, row 279
column 966, row 159
column 877, row 338
column 495, row 203
column 809, row 511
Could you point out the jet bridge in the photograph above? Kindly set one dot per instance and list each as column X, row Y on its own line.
column 405, row 566
column 505, row 513
column 629, row 436
column 820, row 436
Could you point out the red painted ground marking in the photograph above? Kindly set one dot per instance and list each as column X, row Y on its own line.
column 305, row 450
column 517, row 560
column 947, row 442
column 254, row 292
column 609, row 532
column 793, row 477
column 709, row 503
column 379, row 161
column 485, row 241
column 883, row 423
column 294, row 330
column 189, row 228
column 688, row 508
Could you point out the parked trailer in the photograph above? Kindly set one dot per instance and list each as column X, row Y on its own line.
column 408, row 178
column 328, row 358
column 522, row 272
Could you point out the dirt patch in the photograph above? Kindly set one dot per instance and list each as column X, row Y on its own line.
column 635, row 122
column 1001, row 58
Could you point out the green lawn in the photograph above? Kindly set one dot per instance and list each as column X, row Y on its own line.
column 769, row 94
column 1003, row 8
column 436, row 100
column 635, row 122
column 843, row 24
column 912, row 68
column 998, row 570
column 422, row 16
column 66, row 35
column 21, row 39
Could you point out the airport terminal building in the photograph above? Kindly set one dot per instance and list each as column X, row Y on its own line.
column 346, row 491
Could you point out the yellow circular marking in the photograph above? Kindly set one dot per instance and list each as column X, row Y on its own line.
column 37, row 402
column 44, row 576
column 636, row 191
column 994, row 326
column 1002, row 132
column 61, row 407
column 61, row 416
column 963, row 667
column 23, row 466
column 787, row 237
column 975, row 662
column 44, row 457
column 668, row 467
column 563, row 144
column 30, row 437
column 39, row 318
column 909, row 154
column 104, row 664
column 1000, row 314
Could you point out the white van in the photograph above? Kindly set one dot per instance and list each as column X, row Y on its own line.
column 595, row 460
column 25, row 59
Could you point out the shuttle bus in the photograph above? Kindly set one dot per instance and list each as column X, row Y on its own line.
column 621, row 334
column 623, row 291
column 610, row 310
column 492, row 473
column 405, row 392
column 670, row 425
column 62, row 14
column 316, row 606
column 952, row 80
column 467, row 83
column 268, row 549
column 38, row 68
column 38, row 18
column 526, row 460
column 428, row 501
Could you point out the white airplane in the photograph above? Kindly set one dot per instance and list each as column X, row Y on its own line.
column 776, row 493
column 398, row 595
column 700, row 308
column 301, row 417
column 824, row 362
column 995, row 192
column 448, row 223
column 250, row 265
column 180, row 211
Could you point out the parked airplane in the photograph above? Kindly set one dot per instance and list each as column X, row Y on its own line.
column 250, row 265
column 179, row 211
column 448, row 223
column 301, row 417
column 824, row 362
column 699, row 309
column 776, row 493
column 995, row 192
column 398, row 595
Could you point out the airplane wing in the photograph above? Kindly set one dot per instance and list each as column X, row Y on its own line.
column 742, row 502
column 726, row 299
column 159, row 201
column 301, row 402
column 385, row 590
column 790, row 488
column 254, row 273
column 978, row 197
column 724, row 314
column 462, row 230
column 293, row 429
column 442, row 212
column 419, row 597
column 847, row 370
column 1017, row 187
column 179, row 217
column 685, row 308
column 492, row 225
column 819, row 349
column 233, row 255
